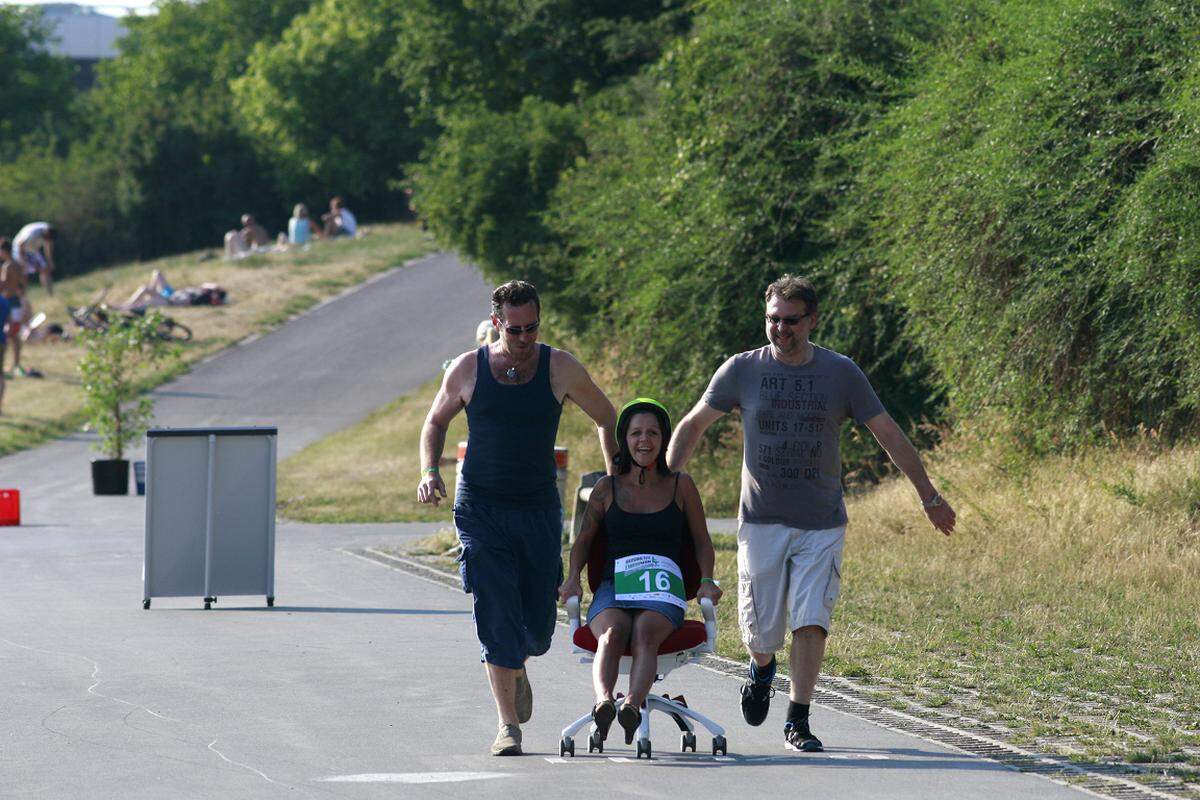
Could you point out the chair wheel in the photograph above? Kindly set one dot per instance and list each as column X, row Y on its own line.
column 145, row 604
column 566, row 747
column 643, row 746
column 687, row 741
column 595, row 743
column 719, row 745
column 207, row 604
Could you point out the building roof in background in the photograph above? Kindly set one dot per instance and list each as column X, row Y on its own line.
column 82, row 32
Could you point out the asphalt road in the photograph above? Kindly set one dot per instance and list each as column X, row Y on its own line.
column 363, row 681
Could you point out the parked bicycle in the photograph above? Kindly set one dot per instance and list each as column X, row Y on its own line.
column 98, row 316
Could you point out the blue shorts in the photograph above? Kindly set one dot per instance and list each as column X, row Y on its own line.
column 511, row 564
column 5, row 310
column 605, row 598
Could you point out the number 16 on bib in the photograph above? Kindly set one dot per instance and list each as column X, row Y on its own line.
column 648, row 577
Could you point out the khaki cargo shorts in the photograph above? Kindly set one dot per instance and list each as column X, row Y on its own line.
column 787, row 579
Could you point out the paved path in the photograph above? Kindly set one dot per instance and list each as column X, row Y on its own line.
column 363, row 676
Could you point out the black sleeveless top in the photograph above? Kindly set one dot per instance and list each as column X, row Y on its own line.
column 657, row 533
column 510, row 440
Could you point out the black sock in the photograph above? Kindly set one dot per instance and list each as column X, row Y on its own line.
column 762, row 674
column 798, row 715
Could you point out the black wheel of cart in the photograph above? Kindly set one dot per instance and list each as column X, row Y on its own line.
column 270, row 602
column 146, row 603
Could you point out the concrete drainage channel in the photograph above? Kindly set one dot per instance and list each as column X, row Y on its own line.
column 1117, row 780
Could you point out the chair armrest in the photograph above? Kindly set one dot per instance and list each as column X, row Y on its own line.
column 710, row 623
column 573, row 618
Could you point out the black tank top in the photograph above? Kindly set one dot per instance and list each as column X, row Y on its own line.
column 510, row 440
column 657, row 533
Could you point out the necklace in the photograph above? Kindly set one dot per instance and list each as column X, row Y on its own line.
column 511, row 373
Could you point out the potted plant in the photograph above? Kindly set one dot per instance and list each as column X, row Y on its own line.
column 112, row 362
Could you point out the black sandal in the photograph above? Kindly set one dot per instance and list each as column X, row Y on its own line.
column 630, row 718
column 603, row 715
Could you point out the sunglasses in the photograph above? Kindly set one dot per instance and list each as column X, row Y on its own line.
column 789, row 321
column 517, row 330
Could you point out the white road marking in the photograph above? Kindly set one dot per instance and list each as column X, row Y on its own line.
column 416, row 777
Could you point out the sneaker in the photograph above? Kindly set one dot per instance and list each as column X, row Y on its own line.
column 756, row 701
column 508, row 741
column 524, row 697
column 801, row 738
column 603, row 715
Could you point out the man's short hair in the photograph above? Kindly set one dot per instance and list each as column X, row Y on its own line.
column 515, row 293
column 792, row 288
column 337, row 202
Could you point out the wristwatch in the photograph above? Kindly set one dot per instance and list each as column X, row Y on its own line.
column 933, row 502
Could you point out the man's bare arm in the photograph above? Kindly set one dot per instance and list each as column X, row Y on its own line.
column 691, row 428
column 904, row 456
column 584, row 392
column 449, row 401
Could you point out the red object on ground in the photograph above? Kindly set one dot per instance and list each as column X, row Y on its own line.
column 10, row 507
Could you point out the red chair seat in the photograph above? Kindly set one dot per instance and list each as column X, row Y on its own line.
column 692, row 634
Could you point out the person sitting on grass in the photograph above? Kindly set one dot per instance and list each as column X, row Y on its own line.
column 300, row 227
column 646, row 510
column 339, row 221
column 158, row 292
column 249, row 238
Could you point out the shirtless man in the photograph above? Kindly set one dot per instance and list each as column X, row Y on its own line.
column 13, row 283
column 33, row 248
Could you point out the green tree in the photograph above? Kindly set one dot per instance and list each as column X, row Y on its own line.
column 35, row 86
column 323, row 107
column 165, row 108
column 487, row 182
column 494, row 53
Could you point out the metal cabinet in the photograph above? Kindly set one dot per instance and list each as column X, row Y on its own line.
column 210, row 513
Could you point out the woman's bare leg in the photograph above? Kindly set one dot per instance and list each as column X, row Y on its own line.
column 649, row 630
column 611, row 628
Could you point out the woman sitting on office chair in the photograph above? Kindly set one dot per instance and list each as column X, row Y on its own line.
column 646, row 510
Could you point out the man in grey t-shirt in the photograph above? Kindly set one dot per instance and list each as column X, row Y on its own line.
column 793, row 397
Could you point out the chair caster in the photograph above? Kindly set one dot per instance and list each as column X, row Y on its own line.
column 643, row 746
column 595, row 743
column 719, row 745
column 145, row 604
column 687, row 741
column 566, row 747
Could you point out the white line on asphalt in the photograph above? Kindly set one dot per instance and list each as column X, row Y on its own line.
column 416, row 777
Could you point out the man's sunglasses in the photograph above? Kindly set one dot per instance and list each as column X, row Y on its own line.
column 789, row 321
column 517, row 330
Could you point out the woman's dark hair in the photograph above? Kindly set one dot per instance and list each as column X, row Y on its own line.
column 623, row 460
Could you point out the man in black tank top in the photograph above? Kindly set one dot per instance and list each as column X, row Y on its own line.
column 506, row 506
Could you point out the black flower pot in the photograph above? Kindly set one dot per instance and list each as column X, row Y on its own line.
column 110, row 476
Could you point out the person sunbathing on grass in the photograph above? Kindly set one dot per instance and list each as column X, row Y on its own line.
column 646, row 510
column 158, row 292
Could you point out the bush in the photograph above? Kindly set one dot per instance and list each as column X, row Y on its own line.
column 488, row 178
column 721, row 170
column 1037, row 210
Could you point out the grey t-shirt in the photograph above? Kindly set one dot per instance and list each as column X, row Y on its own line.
column 792, row 418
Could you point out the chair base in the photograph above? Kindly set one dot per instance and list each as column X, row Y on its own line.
column 682, row 715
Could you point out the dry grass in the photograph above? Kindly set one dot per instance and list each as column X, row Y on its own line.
column 263, row 290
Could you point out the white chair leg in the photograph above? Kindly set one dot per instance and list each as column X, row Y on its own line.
column 671, row 707
column 577, row 725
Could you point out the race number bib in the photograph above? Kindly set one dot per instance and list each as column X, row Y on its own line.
column 649, row 577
